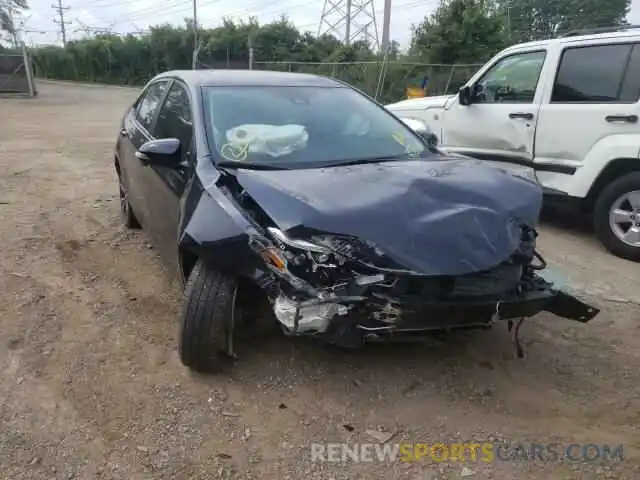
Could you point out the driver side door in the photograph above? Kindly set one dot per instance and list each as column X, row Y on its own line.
column 164, row 185
column 501, row 121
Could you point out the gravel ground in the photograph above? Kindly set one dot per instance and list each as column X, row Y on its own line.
column 92, row 386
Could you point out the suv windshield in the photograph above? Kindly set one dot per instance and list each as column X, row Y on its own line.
column 303, row 127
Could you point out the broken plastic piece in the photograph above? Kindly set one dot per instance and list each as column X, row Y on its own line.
column 298, row 318
column 516, row 337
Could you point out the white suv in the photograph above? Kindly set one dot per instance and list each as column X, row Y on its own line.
column 569, row 108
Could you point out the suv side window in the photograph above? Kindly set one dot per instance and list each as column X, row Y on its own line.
column 596, row 74
column 174, row 119
column 150, row 102
column 512, row 79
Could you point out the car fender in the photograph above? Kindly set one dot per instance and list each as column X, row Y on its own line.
column 600, row 155
column 216, row 228
column 431, row 117
column 429, row 110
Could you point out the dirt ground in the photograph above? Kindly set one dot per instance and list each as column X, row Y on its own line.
column 92, row 386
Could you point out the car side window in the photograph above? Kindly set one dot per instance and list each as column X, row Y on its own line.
column 512, row 79
column 596, row 74
column 174, row 119
column 150, row 102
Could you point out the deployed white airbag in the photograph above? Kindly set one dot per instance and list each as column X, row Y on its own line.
column 273, row 140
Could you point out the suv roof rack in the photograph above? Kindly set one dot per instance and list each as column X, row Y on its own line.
column 588, row 31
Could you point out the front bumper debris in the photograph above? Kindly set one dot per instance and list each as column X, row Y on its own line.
column 352, row 318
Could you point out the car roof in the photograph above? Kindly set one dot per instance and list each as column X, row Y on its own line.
column 228, row 77
column 631, row 34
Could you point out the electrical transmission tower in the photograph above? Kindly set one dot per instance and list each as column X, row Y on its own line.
column 61, row 21
column 350, row 20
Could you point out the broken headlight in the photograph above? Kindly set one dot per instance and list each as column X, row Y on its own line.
column 327, row 248
column 296, row 250
column 283, row 239
column 325, row 261
column 315, row 262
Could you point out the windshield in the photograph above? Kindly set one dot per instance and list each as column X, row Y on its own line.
column 303, row 127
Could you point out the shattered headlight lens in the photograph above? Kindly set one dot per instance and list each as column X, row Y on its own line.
column 281, row 237
column 349, row 247
column 331, row 248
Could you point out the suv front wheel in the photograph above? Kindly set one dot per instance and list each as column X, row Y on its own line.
column 617, row 217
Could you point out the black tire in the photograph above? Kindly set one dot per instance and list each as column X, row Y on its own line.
column 127, row 216
column 609, row 195
column 207, row 320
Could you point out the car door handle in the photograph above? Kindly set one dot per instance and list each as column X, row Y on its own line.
column 124, row 133
column 526, row 116
column 621, row 118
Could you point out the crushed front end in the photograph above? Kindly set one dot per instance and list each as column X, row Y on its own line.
column 348, row 291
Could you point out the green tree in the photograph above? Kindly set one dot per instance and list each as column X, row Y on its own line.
column 459, row 31
column 8, row 9
column 541, row 19
column 133, row 60
column 279, row 45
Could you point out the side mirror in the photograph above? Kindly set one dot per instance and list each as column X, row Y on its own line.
column 422, row 130
column 465, row 96
column 164, row 152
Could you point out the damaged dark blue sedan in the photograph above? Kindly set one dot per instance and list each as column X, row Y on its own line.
column 304, row 196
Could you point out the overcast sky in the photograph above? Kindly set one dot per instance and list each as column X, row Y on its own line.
column 127, row 15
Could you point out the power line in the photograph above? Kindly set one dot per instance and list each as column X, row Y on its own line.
column 62, row 22
column 88, row 29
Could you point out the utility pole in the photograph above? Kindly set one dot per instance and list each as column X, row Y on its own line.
column 196, row 41
column 19, row 38
column 27, row 69
column 347, row 29
column 62, row 22
column 386, row 27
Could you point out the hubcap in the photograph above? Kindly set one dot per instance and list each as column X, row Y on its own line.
column 624, row 218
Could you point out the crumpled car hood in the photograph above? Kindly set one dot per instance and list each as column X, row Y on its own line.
column 443, row 217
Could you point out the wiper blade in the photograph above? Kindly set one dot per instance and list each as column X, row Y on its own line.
column 359, row 161
column 250, row 166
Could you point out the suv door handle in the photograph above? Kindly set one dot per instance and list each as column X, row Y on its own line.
column 526, row 116
column 621, row 118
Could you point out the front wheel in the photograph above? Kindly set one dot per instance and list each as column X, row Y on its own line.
column 617, row 217
column 208, row 320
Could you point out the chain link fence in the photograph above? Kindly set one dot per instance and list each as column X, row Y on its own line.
column 392, row 83
column 388, row 85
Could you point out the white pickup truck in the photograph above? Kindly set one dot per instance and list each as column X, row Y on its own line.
column 568, row 108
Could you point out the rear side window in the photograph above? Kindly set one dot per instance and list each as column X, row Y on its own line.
column 597, row 74
column 150, row 103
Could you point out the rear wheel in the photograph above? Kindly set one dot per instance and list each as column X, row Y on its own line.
column 126, row 213
column 208, row 319
column 617, row 217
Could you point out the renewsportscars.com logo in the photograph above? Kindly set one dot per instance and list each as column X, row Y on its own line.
column 466, row 452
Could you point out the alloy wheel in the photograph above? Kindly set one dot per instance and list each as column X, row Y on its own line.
column 624, row 218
